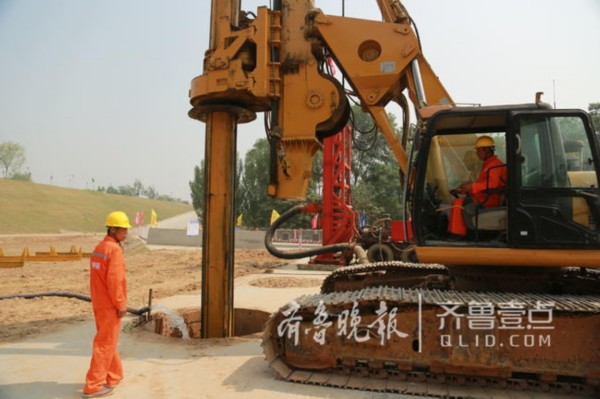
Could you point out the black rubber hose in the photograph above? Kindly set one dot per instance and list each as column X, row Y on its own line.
column 298, row 254
column 138, row 312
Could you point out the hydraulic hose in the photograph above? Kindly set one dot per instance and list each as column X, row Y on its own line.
column 310, row 208
column 138, row 312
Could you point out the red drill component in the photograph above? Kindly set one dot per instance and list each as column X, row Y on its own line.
column 338, row 218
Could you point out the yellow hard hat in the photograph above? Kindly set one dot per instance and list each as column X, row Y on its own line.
column 117, row 219
column 485, row 141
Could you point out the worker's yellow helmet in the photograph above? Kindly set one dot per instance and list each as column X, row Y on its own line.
column 117, row 219
column 484, row 141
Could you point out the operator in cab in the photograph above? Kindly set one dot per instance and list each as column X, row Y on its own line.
column 484, row 193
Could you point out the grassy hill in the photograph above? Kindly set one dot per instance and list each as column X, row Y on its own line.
column 39, row 208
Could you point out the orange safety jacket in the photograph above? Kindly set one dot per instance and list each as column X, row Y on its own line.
column 491, row 177
column 108, row 285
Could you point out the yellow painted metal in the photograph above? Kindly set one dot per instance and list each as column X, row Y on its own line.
column 218, row 222
column 7, row 262
column 270, row 64
column 383, row 123
column 52, row 255
column 232, row 87
column 295, row 49
column 380, row 68
column 294, row 168
column 309, row 99
column 392, row 11
column 223, row 96
column 233, row 72
column 310, row 103
column 508, row 256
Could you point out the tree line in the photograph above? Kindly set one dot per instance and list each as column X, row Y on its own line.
column 137, row 189
column 13, row 159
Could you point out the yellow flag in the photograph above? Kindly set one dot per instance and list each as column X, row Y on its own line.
column 239, row 220
column 274, row 216
column 153, row 218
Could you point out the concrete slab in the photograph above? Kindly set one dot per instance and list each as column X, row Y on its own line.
column 156, row 367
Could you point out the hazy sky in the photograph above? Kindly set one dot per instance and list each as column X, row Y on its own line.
column 98, row 89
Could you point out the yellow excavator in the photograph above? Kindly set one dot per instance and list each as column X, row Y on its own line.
column 514, row 304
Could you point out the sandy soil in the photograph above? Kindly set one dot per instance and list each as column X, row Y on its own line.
column 167, row 271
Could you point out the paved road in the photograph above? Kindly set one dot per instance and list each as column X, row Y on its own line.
column 177, row 222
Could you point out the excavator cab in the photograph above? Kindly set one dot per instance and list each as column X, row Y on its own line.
column 550, row 199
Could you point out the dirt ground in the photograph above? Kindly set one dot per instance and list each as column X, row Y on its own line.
column 167, row 271
column 32, row 331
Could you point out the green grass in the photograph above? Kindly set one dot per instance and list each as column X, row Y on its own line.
column 29, row 208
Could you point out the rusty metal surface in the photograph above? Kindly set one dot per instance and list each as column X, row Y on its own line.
column 566, row 280
column 563, row 356
column 218, row 223
column 392, row 273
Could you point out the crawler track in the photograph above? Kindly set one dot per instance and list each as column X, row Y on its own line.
column 391, row 273
column 393, row 340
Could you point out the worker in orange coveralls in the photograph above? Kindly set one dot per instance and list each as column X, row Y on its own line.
column 108, row 287
column 483, row 193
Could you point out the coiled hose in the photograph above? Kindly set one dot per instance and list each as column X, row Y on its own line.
column 306, row 208
column 137, row 312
